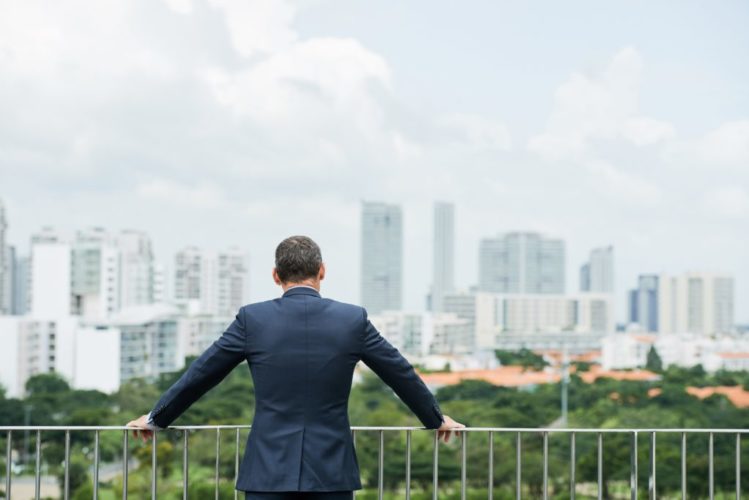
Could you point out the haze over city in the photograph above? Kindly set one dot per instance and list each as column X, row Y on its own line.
column 224, row 123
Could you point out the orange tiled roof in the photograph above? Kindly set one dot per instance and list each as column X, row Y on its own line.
column 733, row 355
column 735, row 394
column 597, row 372
column 507, row 376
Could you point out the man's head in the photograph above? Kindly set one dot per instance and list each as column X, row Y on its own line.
column 298, row 261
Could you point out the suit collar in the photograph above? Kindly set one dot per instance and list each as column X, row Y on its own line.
column 301, row 290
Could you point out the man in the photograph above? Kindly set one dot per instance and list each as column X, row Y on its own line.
column 301, row 350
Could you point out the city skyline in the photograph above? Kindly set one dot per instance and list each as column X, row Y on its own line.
column 151, row 119
column 133, row 244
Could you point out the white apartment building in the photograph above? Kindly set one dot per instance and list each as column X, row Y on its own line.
column 696, row 302
column 402, row 329
column 87, row 357
column 495, row 317
column 197, row 332
column 211, row 282
column 630, row 350
column 448, row 334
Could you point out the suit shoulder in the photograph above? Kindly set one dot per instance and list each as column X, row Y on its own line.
column 345, row 307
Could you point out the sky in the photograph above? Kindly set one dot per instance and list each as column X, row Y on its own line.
column 223, row 123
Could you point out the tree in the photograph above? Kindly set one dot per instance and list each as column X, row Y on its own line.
column 654, row 363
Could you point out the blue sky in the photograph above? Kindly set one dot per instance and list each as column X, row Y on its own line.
column 239, row 122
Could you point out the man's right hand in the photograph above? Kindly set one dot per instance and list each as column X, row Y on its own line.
column 448, row 427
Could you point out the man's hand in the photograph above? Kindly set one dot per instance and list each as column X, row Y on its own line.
column 140, row 425
column 448, row 427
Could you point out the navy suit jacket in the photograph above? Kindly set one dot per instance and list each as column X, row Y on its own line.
column 301, row 350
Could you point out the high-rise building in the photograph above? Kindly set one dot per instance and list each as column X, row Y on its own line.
column 136, row 269
column 381, row 257
column 522, row 263
column 701, row 303
column 50, row 290
column 96, row 274
column 21, row 283
column 643, row 303
column 5, row 266
column 597, row 275
column 443, row 276
column 210, row 282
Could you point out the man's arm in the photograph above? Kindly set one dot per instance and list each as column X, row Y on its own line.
column 397, row 372
column 203, row 374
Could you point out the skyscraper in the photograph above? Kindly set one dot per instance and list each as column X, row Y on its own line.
column 5, row 280
column 522, row 263
column 381, row 257
column 643, row 302
column 597, row 275
column 443, row 277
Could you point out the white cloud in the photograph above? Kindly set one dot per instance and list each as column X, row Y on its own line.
column 180, row 6
column 728, row 201
column 477, row 132
column 602, row 107
column 628, row 187
column 728, row 144
column 200, row 195
column 642, row 131
column 262, row 26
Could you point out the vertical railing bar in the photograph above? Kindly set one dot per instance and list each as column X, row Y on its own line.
column 154, row 465
column 633, row 468
column 738, row 466
column 185, row 463
column 435, row 465
column 236, row 464
column 353, row 443
column 66, row 461
column 651, row 479
column 573, row 466
column 38, row 468
column 600, row 466
column 381, row 467
column 96, row 465
column 546, row 465
column 408, row 465
column 711, row 466
column 491, row 465
column 218, row 458
column 518, row 467
column 463, row 445
column 8, row 465
column 683, row 466
column 125, row 462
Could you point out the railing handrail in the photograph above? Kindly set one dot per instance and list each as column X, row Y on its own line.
column 567, row 430
column 634, row 433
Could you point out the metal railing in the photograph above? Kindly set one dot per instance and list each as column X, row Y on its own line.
column 516, row 434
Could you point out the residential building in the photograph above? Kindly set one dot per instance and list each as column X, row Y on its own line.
column 597, row 274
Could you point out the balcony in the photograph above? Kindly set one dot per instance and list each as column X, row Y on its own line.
column 545, row 462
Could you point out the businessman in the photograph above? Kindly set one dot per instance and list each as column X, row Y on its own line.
column 301, row 350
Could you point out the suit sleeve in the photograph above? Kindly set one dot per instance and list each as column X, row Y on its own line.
column 395, row 370
column 203, row 374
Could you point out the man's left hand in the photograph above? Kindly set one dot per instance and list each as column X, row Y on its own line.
column 141, row 426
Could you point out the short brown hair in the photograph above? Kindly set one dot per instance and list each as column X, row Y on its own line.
column 297, row 258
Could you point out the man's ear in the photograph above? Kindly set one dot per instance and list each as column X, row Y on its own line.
column 321, row 274
column 276, row 279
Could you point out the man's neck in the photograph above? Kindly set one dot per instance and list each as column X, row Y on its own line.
column 308, row 284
